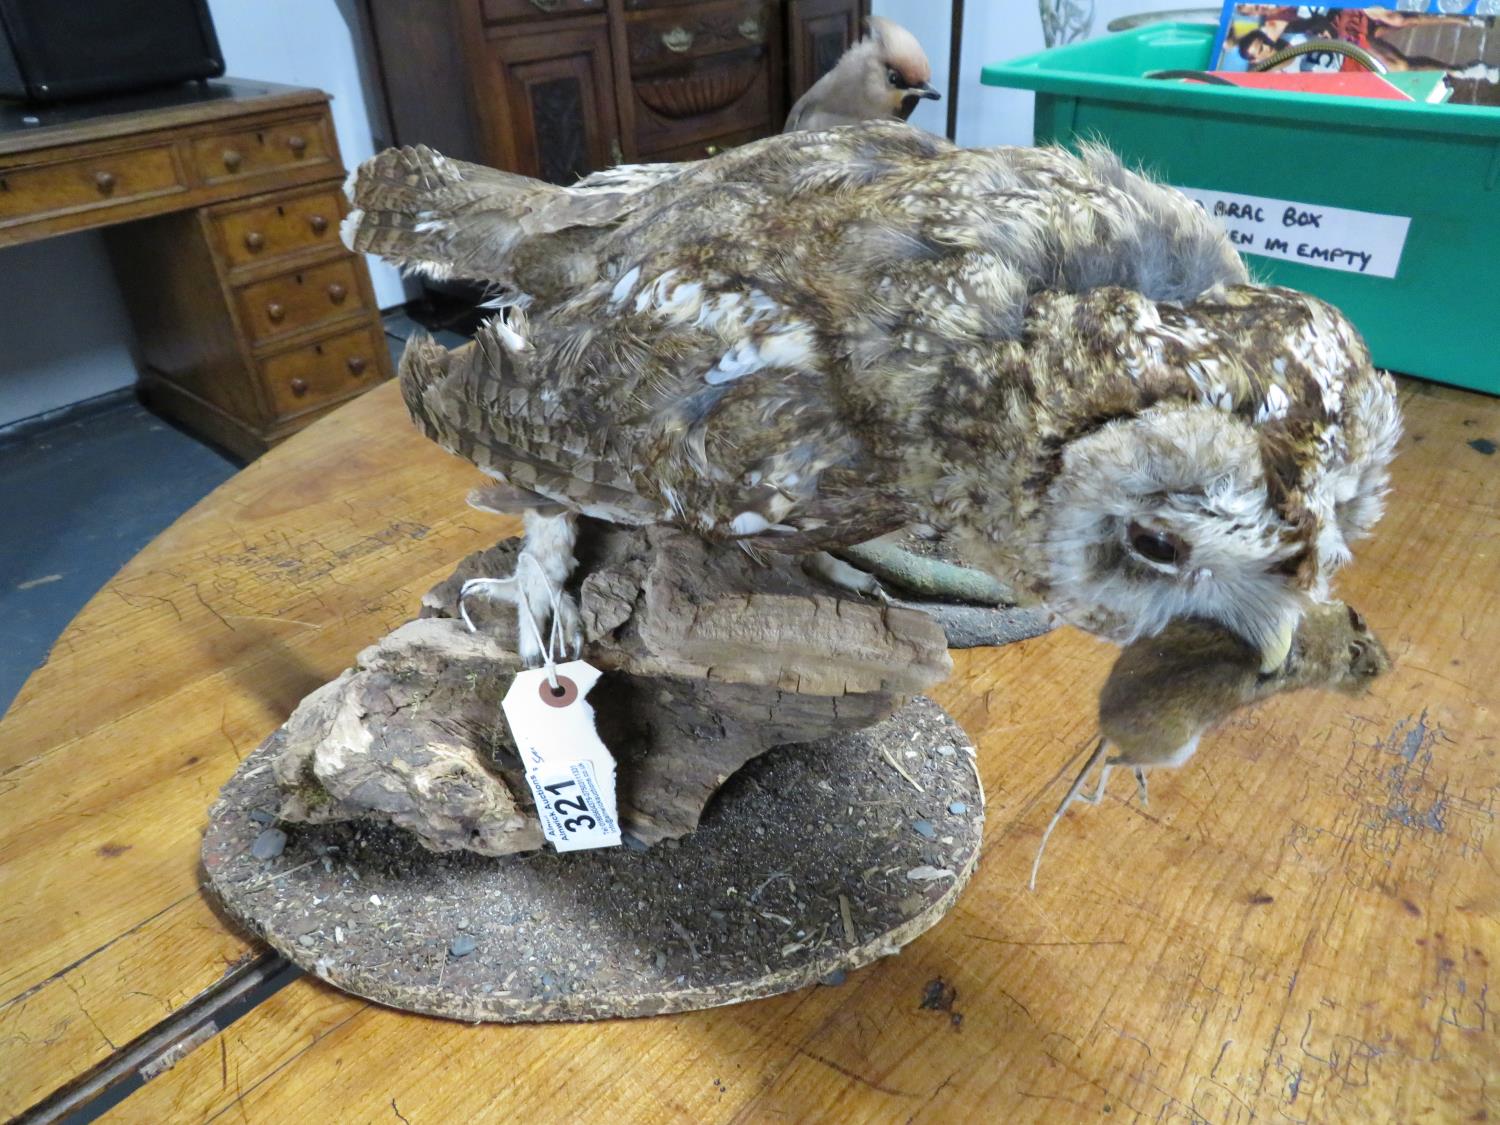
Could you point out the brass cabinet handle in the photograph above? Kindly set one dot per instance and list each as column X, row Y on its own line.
column 276, row 311
column 299, row 387
column 105, row 181
column 254, row 241
column 711, row 150
column 356, row 364
column 296, row 144
column 232, row 159
column 337, row 293
column 752, row 28
column 318, row 224
column 678, row 40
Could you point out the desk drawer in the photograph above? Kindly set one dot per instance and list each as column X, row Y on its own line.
column 260, row 233
column 41, row 190
column 255, row 152
column 294, row 301
column 330, row 369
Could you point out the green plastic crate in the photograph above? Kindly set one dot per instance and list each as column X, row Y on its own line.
column 1439, row 165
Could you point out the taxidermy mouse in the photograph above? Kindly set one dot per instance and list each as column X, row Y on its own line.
column 1165, row 691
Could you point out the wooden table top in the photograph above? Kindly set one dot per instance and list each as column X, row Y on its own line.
column 1300, row 927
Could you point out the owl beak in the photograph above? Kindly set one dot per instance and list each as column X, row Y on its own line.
column 1276, row 646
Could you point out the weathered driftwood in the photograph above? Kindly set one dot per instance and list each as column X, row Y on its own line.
column 710, row 658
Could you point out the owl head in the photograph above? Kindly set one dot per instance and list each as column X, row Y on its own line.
column 1188, row 510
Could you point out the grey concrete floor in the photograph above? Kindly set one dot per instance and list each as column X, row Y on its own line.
column 79, row 499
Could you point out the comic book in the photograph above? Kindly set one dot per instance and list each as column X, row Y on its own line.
column 1455, row 36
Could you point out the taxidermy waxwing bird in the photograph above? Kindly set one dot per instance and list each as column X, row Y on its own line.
column 823, row 337
column 883, row 75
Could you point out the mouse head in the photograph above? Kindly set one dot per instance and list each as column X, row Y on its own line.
column 1337, row 649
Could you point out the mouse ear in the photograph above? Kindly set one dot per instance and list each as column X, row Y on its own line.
column 1356, row 622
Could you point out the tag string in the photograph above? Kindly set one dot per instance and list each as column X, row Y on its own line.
column 552, row 644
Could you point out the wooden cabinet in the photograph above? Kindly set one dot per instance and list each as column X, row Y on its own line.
column 221, row 206
column 555, row 117
column 819, row 31
column 560, row 88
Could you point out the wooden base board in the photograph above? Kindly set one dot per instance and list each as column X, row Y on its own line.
column 812, row 860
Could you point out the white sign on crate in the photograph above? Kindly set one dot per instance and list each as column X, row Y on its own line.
column 1331, row 238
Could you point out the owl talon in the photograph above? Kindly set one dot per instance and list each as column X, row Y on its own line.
column 548, row 625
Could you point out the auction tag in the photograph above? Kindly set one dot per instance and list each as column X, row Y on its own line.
column 570, row 771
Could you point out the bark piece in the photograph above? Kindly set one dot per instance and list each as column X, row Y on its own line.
column 710, row 658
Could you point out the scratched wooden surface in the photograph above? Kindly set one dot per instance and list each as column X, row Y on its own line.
column 1300, row 928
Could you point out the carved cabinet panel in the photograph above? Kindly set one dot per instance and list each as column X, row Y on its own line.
column 556, row 110
column 819, row 32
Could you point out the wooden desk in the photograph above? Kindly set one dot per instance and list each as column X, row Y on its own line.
column 222, row 202
column 1300, row 928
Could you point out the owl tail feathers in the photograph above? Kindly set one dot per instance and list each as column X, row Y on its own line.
column 447, row 218
column 449, row 393
column 462, row 398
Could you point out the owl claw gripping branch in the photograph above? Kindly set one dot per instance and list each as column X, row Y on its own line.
column 823, row 337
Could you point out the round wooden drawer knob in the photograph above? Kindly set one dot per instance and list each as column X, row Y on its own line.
column 299, row 387
column 105, row 181
column 254, row 241
column 296, row 144
column 356, row 364
column 318, row 224
column 276, row 311
column 232, row 159
column 337, row 293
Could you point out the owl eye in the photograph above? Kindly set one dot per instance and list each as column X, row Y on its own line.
column 893, row 77
column 1156, row 546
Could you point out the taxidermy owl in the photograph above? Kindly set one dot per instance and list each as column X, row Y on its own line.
column 824, row 337
column 883, row 75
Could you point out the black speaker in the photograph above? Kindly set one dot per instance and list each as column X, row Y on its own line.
column 56, row 49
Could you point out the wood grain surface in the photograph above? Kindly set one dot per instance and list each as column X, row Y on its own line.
column 1299, row 928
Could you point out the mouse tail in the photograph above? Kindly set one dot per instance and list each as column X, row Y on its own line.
column 1068, row 798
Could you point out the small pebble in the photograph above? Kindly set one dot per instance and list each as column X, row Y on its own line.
column 835, row 978
column 462, row 946
column 945, row 751
column 957, row 808
column 631, row 843
column 464, row 923
column 269, row 844
column 924, row 829
column 661, row 960
column 261, row 816
column 307, row 941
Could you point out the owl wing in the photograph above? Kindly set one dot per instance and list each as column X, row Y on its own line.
column 764, row 333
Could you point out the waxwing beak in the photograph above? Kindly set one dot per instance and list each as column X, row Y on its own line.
column 927, row 90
